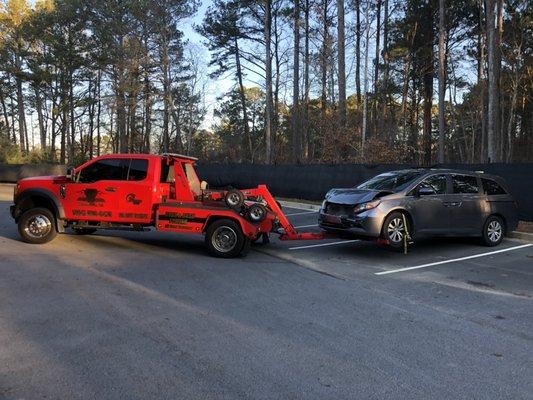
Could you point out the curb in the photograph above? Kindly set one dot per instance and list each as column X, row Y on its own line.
column 300, row 206
column 524, row 236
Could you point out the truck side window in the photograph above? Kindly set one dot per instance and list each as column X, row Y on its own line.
column 110, row 169
column 138, row 170
column 465, row 184
column 491, row 187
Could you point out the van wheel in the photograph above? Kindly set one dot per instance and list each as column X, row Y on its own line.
column 37, row 226
column 394, row 230
column 224, row 238
column 493, row 231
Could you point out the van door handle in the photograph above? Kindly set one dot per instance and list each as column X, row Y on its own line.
column 453, row 204
column 110, row 189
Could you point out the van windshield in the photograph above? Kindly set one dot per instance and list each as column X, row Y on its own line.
column 395, row 181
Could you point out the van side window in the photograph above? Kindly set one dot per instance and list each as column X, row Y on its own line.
column 491, row 187
column 465, row 184
column 435, row 182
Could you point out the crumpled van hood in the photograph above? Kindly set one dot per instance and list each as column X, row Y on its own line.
column 354, row 196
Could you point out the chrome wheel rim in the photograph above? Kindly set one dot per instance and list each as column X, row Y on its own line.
column 233, row 199
column 395, row 230
column 38, row 226
column 224, row 239
column 494, row 231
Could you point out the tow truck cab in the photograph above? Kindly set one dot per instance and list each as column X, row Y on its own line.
column 121, row 188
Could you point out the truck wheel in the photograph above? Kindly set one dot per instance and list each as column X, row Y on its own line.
column 37, row 226
column 224, row 238
column 493, row 231
column 257, row 213
column 234, row 198
column 83, row 231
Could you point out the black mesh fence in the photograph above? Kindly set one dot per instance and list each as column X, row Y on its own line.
column 311, row 182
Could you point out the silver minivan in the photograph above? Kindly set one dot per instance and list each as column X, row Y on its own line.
column 426, row 202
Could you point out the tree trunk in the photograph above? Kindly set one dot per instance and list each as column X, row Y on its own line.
column 341, row 63
column 307, row 86
column 98, row 112
column 20, row 107
column 493, row 109
column 365, row 80
column 295, row 121
column 378, row 37
column 268, row 81
column 442, row 83
column 358, row 51
column 242, row 95
column 324, row 60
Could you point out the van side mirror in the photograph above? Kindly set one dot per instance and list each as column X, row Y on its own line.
column 425, row 191
column 71, row 173
column 203, row 185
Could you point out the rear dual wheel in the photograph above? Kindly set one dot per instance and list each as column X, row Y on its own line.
column 224, row 238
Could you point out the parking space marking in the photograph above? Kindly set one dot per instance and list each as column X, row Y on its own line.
column 323, row 244
column 305, row 226
column 393, row 271
column 301, row 213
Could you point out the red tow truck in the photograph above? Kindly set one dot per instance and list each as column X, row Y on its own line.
column 145, row 192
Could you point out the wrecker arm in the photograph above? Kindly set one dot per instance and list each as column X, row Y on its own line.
column 290, row 233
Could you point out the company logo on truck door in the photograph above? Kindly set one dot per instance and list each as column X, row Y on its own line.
column 130, row 198
column 90, row 197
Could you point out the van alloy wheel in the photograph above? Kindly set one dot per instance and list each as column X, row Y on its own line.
column 494, row 231
column 396, row 230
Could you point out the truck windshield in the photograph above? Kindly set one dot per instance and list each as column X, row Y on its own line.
column 393, row 181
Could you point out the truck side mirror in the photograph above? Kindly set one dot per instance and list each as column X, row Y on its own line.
column 203, row 185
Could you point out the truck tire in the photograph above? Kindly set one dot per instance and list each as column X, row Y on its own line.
column 257, row 213
column 224, row 238
column 234, row 199
column 37, row 226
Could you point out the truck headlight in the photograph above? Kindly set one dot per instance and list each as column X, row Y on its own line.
column 366, row 206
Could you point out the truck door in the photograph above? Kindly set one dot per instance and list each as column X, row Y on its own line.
column 94, row 195
column 135, row 193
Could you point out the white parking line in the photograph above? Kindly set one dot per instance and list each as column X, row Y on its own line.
column 301, row 213
column 305, row 226
column 453, row 260
column 323, row 244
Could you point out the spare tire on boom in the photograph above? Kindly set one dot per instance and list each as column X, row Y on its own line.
column 234, row 199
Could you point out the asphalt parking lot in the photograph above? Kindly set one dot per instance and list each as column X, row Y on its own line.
column 123, row 315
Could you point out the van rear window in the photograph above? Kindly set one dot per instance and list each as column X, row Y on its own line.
column 491, row 187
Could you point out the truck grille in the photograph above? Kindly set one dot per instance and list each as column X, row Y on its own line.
column 340, row 210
